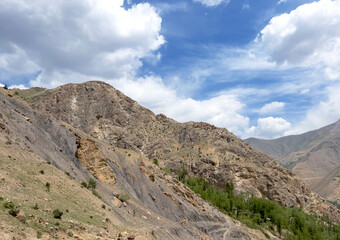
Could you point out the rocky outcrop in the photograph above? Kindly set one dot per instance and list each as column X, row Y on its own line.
column 93, row 160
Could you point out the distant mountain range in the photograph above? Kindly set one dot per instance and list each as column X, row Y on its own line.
column 314, row 156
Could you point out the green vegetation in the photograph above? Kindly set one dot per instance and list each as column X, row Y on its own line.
column 12, row 209
column 84, row 184
column 57, row 213
column 48, row 186
column 335, row 203
column 123, row 197
column 263, row 214
column 155, row 161
column 167, row 170
column 42, row 171
column 94, row 192
column 92, row 184
column 9, row 205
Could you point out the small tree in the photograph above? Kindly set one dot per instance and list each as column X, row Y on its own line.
column 92, row 184
column 181, row 174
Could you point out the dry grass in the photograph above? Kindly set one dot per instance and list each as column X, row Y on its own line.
column 22, row 182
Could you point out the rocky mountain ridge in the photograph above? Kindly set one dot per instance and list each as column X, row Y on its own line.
column 204, row 150
column 314, row 156
column 141, row 201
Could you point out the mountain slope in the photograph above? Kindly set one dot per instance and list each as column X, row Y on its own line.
column 204, row 150
column 138, row 197
column 313, row 156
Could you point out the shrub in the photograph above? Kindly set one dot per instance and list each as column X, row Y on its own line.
column 155, row 161
column 181, row 174
column 94, row 192
column 1, row 198
column 70, row 234
column 48, row 186
column 84, row 184
column 8, row 142
column 123, row 197
column 57, row 213
column 8, row 205
column 35, row 207
column 167, row 170
column 92, row 184
column 42, row 171
column 13, row 211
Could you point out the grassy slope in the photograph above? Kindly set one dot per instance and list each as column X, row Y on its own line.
column 22, row 183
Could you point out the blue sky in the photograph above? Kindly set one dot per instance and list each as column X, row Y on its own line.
column 258, row 68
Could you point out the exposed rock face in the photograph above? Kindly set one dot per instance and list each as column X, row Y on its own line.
column 93, row 160
column 204, row 150
column 313, row 156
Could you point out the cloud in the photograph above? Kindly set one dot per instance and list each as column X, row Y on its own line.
column 222, row 110
column 171, row 7
column 308, row 36
column 96, row 38
column 21, row 86
column 324, row 113
column 269, row 127
column 281, row 1
column 245, row 6
column 2, row 85
column 272, row 107
column 212, row 3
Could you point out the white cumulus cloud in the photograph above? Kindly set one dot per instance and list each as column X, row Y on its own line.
column 269, row 127
column 223, row 110
column 307, row 36
column 20, row 86
column 96, row 38
column 272, row 107
column 322, row 114
column 212, row 3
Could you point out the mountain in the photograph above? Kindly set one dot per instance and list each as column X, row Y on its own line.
column 314, row 156
column 204, row 150
column 122, row 163
column 46, row 164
